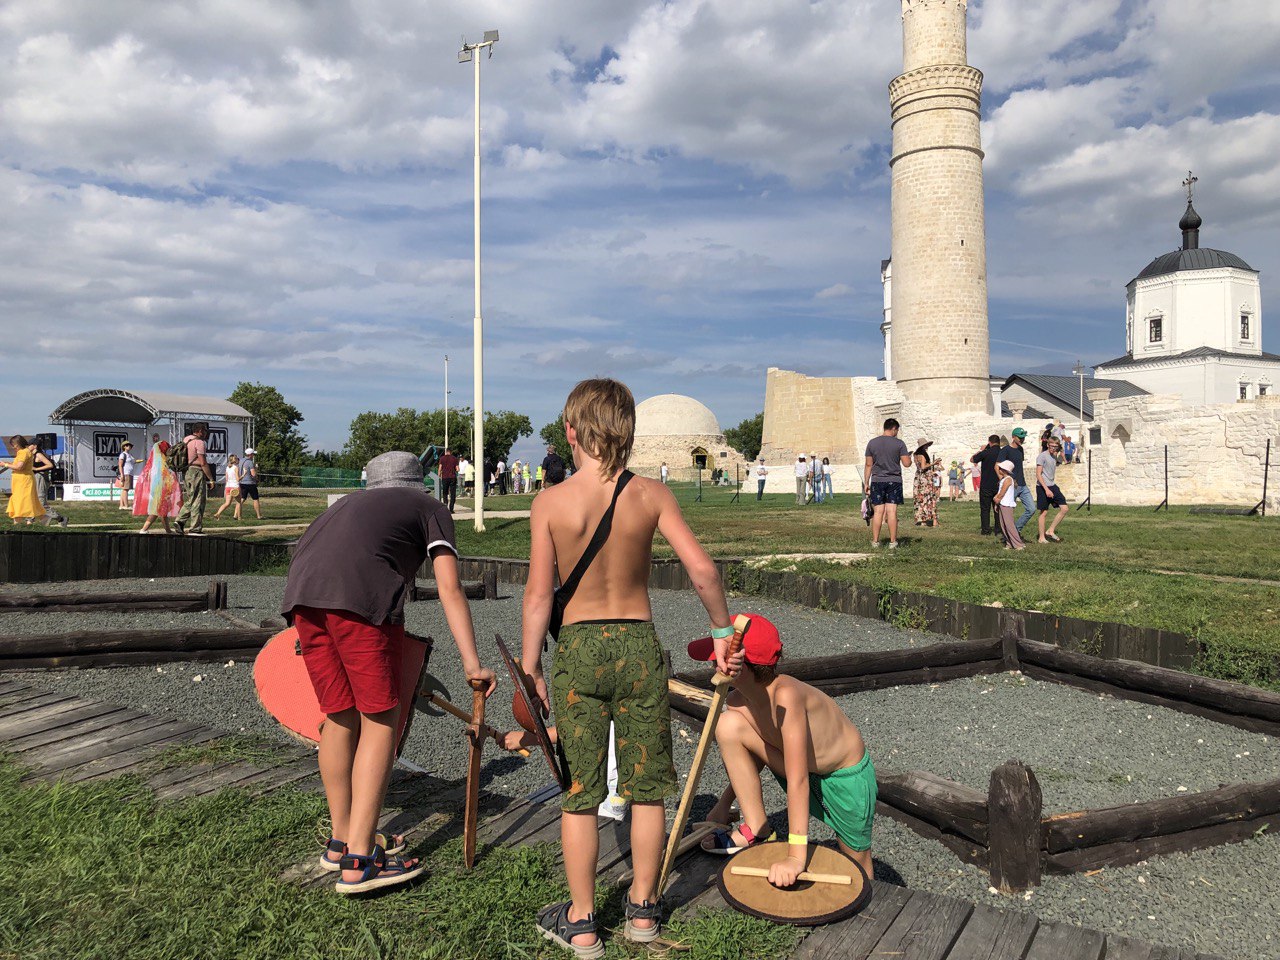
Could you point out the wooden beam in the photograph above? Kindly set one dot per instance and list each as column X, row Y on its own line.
column 472, row 591
column 92, row 641
column 1136, row 821
column 1014, row 803
column 948, row 805
column 962, row 847
column 1123, row 854
column 1218, row 694
column 173, row 601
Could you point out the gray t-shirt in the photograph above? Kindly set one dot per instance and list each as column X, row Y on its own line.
column 1048, row 465
column 886, row 454
column 362, row 555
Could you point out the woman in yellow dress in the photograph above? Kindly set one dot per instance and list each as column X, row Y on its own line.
column 24, row 502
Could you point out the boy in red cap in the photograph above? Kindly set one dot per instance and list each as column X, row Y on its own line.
column 813, row 749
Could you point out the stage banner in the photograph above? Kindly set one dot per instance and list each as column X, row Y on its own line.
column 97, row 451
column 224, row 439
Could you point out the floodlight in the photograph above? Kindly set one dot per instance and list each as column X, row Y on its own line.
column 464, row 56
column 491, row 36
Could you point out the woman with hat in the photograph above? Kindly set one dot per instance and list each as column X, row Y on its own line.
column 1006, row 497
column 926, row 491
column 125, row 466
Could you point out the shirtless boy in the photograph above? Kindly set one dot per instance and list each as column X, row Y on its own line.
column 813, row 749
column 608, row 663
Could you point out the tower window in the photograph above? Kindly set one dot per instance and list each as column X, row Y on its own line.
column 1244, row 391
column 1156, row 330
column 1244, row 326
column 1263, row 389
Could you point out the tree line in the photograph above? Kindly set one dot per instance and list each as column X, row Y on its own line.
column 282, row 447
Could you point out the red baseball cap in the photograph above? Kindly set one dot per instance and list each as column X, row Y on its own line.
column 762, row 644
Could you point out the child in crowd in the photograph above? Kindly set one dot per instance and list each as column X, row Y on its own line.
column 231, row 492
column 1006, row 497
column 815, row 752
column 608, row 664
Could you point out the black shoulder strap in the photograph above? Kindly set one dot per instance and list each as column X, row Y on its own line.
column 605, row 527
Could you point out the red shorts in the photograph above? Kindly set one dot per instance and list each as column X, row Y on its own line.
column 351, row 662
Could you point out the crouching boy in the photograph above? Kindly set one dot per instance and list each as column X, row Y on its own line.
column 608, row 663
column 350, row 576
column 813, row 750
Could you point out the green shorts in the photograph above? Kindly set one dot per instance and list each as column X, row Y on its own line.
column 615, row 672
column 845, row 801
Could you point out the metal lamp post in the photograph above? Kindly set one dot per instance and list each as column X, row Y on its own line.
column 470, row 53
column 446, row 401
column 1079, row 372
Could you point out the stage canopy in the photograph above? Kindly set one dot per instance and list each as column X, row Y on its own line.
column 97, row 422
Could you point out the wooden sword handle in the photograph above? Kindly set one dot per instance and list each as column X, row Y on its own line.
column 441, row 703
column 837, row 878
column 741, row 624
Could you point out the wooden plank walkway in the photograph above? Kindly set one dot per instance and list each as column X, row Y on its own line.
column 75, row 739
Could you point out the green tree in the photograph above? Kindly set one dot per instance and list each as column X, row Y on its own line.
column 553, row 433
column 746, row 437
column 282, row 449
column 373, row 433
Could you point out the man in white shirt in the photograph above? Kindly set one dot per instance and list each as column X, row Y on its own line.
column 501, row 471
column 802, row 479
column 665, row 471
column 762, row 473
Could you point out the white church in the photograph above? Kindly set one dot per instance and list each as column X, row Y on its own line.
column 1194, row 325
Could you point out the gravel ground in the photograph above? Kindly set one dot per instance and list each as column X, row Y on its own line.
column 1088, row 752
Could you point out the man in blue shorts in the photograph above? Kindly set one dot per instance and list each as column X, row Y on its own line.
column 882, row 480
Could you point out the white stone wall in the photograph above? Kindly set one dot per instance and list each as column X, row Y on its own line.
column 1215, row 453
column 1206, row 380
column 1199, row 308
column 648, row 454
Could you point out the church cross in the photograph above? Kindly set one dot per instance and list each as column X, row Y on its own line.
column 1189, row 183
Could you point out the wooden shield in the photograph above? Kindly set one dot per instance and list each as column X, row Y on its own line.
column 804, row 904
column 285, row 691
column 528, row 712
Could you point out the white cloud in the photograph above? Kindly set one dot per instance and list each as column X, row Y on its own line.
column 834, row 291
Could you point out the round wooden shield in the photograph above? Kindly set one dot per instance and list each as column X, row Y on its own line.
column 285, row 691
column 528, row 713
column 806, row 904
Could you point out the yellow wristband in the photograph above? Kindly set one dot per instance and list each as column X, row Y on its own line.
column 798, row 839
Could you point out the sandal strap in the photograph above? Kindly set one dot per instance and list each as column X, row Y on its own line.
column 334, row 845
column 555, row 918
column 748, row 834
column 647, row 910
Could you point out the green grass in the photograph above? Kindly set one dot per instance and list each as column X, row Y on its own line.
column 1121, row 564
column 106, row 871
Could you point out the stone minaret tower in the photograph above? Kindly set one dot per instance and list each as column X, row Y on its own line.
column 939, row 309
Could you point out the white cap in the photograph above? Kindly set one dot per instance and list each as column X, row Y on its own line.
column 1006, row 466
column 249, row 451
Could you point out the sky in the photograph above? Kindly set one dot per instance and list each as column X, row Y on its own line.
column 680, row 194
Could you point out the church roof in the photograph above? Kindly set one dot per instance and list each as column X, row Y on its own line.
column 1065, row 390
column 1128, row 360
column 1201, row 258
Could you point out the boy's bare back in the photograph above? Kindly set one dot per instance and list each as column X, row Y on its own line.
column 616, row 586
column 834, row 739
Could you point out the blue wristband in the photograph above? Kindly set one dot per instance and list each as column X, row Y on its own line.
column 721, row 633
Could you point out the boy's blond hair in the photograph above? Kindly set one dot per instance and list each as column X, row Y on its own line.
column 603, row 412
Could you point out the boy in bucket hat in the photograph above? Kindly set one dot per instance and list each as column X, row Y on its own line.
column 350, row 576
column 815, row 752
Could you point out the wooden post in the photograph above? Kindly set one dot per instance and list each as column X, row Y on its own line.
column 1014, row 806
column 490, row 580
column 1013, row 627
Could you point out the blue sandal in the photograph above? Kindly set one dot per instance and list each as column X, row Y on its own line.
column 377, row 871
column 335, row 850
column 647, row 910
column 554, row 924
column 722, row 845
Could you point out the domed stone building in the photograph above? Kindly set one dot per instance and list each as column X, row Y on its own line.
column 686, row 435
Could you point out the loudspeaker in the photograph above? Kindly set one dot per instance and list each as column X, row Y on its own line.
column 46, row 441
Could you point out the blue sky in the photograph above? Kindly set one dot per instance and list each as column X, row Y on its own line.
column 679, row 193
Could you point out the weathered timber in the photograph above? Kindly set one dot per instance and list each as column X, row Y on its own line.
column 1218, row 694
column 1062, row 941
column 1136, row 821
column 950, row 806
column 118, row 641
column 994, row 933
column 237, row 621
column 1014, row 804
column 173, row 601
column 962, row 847
column 847, row 667
column 126, row 658
column 1012, row 629
column 1123, row 854
column 1255, row 724
column 879, row 681
column 473, row 591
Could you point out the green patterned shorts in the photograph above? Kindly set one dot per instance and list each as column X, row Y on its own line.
column 606, row 672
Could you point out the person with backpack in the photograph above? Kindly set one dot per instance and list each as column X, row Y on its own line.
column 158, row 492
column 249, row 481
column 553, row 469
column 189, row 460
